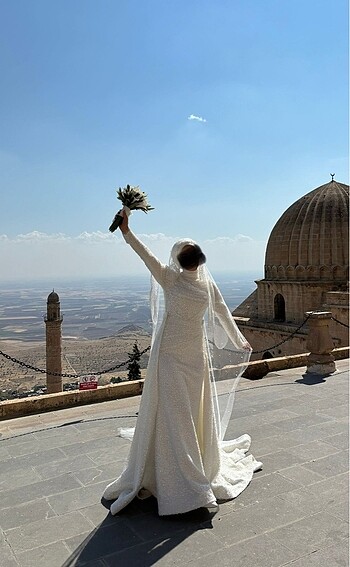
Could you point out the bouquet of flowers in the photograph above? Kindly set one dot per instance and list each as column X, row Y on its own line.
column 132, row 198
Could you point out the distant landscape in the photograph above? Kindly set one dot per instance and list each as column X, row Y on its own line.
column 102, row 319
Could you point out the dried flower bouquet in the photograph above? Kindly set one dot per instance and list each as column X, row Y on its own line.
column 132, row 199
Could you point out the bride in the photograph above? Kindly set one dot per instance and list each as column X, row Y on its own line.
column 177, row 452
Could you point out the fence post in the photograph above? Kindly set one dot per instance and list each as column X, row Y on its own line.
column 320, row 344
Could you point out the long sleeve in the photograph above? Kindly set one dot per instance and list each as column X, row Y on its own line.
column 227, row 321
column 155, row 266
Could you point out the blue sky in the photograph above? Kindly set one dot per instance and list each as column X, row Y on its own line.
column 98, row 93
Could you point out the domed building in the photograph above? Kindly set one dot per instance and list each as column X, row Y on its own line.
column 306, row 269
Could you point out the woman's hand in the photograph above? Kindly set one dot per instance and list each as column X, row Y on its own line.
column 124, row 226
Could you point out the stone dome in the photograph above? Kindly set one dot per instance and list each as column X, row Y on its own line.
column 53, row 298
column 310, row 240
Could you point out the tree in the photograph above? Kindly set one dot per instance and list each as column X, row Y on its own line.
column 134, row 372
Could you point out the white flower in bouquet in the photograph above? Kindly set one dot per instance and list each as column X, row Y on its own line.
column 132, row 199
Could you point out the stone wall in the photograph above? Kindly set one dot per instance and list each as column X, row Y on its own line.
column 262, row 336
column 299, row 297
column 338, row 303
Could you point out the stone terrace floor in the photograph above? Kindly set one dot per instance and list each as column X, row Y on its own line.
column 54, row 467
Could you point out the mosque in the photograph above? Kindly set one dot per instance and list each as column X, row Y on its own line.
column 306, row 269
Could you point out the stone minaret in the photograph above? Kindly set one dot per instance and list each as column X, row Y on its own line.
column 53, row 321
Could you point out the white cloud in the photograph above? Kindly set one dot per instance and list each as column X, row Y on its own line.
column 197, row 118
column 227, row 240
column 97, row 236
column 97, row 254
column 40, row 236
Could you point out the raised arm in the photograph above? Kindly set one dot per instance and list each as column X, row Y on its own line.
column 228, row 322
column 155, row 266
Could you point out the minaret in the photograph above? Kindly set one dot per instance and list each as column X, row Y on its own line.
column 53, row 321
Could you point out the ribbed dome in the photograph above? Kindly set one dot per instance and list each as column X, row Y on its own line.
column 310, row 240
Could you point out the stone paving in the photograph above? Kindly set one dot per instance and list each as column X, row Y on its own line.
column 54, row 467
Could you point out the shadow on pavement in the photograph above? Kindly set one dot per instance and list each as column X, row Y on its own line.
column 137, row 536
column 312, row 379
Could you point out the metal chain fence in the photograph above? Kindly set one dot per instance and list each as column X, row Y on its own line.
column 286, row 339
column 340, row 322
column 67, row 375
column 117, row 366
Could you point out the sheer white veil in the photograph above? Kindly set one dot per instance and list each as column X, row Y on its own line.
column 226, row 346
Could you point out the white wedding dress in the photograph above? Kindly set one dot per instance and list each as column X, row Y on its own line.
column 176, row 454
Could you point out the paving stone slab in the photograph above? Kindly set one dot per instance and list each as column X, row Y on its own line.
column 18, row 478
column 25, row 513
column 43, row 532
column 340, row 510
column 278, row 461
column 66, row 465
column 31, row 460
column 98, row 515
column 336, row 411
column 4, row 453
column 178, row 550
column 261, row 551
column 312, row 502
column 341, row 480
column 26, row 447
column 311, row 533
column 52, row 555
column 90, row 446
column 331, row 465
column 332, row 556
column 93, row 475
column 330, row 428
column 276, row 415
column 313, row 450
column 105, row 540
column 318, row 404
column 105, row 456
column 249, row 521
column 44, row 433
column 7, row 557
column 300, row 475
column 245, row 423
column 150, row 526
column 265, row 487
column 77, row 498
column 333, row 487
column 263, row 431
column 301, row 422
column 340, row 441
column 38, row 490
column 282, row 441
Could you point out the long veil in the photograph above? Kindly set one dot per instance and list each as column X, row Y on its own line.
column 227, row 350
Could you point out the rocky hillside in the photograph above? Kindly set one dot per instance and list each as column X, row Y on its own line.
column 78, row 356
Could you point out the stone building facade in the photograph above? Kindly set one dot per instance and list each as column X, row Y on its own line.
column 306, row 269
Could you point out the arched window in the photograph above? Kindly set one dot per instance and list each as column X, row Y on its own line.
column 279, row 308
column 267, row 355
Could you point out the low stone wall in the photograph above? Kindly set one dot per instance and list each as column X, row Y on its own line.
column 10, row 409
column 259, row 368
column 51, row 402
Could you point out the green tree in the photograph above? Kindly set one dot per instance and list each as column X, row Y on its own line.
column 116, row 380
column 134, row 372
